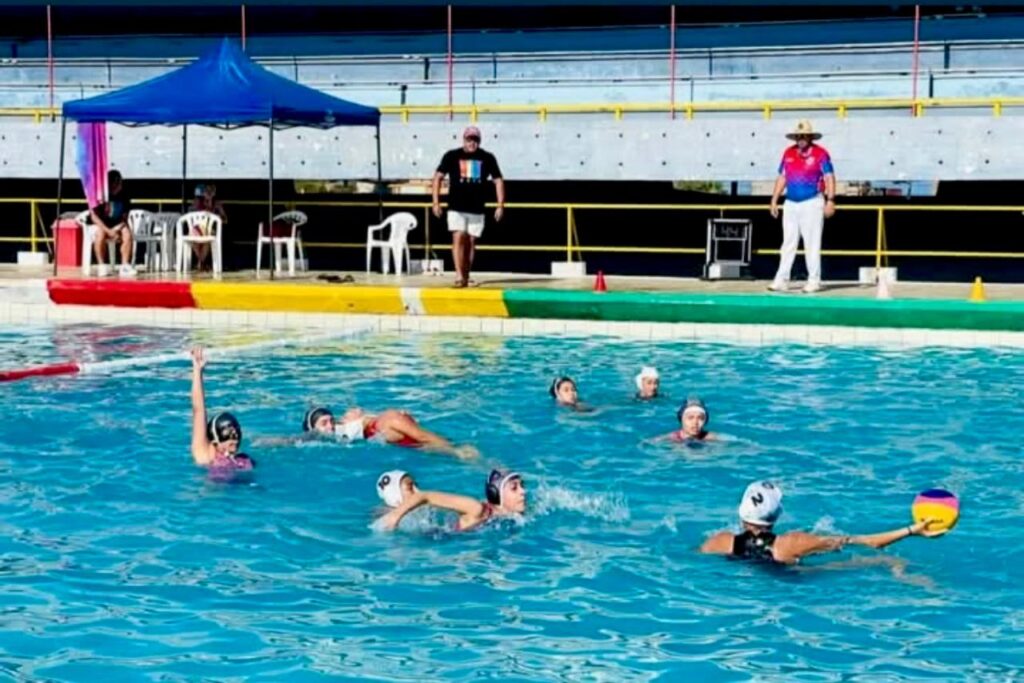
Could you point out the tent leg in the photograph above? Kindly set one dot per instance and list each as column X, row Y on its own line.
column 60, row 186
column 184, row 167
column 270, row 197
column 380, row 181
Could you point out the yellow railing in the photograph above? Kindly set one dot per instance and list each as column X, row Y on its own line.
column 572, row 248
column 841, row 107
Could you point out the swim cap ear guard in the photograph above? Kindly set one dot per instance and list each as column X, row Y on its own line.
column 557, row 383
column 312, row 415
column 495, row 483
column 693, row 403
column 223, row 427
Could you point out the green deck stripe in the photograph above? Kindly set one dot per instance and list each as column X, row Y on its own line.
column 795, row 309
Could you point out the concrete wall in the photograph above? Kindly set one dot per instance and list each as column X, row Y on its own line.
column 889, row 146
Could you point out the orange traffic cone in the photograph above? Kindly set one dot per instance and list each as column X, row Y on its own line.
column 599, row 284
column 977, row 291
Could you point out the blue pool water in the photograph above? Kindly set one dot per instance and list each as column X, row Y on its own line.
column 120, row 561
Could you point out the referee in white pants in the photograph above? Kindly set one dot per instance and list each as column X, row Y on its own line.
column 806, row 174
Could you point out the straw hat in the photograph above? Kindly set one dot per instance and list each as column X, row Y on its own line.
column 803, row 127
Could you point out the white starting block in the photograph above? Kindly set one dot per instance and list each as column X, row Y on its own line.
column 568, row 269
column 871, row 275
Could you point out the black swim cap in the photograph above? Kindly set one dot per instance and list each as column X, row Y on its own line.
column 312, row 415
column 557, row 383
column 223, row 427
column 693, row 402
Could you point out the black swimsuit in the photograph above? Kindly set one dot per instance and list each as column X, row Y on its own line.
column 750, row 546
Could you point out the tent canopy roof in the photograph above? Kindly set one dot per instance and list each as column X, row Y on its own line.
column 223, row 88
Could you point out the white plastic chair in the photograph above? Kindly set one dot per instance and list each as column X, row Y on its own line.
column 145, row 229
column 292, row 243
column 395, row 245
column 88, row 238
column 208, row 228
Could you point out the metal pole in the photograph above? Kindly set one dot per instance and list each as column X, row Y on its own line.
column 243, row 28
column 184, row 167
column 380, row 180
column 49, row 54
column 450, row 63
column 672, row 62
column 60, row 185
column 916, row 57
column 270, row 197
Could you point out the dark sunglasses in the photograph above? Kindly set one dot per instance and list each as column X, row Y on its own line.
column 472, row 138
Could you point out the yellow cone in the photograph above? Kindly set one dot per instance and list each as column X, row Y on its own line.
column 977, row 291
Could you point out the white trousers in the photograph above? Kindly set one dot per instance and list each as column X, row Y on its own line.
column 805, row 220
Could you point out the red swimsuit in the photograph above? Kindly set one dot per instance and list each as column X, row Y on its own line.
column 370, row 430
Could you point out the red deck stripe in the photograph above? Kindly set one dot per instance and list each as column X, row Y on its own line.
column 40, row 371
column 127, row 293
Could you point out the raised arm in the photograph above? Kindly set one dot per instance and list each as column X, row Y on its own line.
column 469, row 510
column 200, row 442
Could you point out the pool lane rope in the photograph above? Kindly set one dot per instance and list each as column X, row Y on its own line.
column 107, row 366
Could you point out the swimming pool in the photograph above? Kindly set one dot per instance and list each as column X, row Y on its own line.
column 120, row 560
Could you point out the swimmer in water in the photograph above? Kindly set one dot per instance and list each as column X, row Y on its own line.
column 693, row 418
column 565, row 393
column 759, row 509
column 215, row 442
column 505, row 497
column 648, row 381
column 396, row 427
column 395, row 486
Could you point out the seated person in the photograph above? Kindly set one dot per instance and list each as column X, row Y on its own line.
column 206, row 200
column 111, row 221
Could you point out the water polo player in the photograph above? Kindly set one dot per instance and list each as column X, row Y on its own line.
column 648, row 382
column 215, row 442
column 395, row 427
column 693, row 418
column 761, row 507
column 505, row 495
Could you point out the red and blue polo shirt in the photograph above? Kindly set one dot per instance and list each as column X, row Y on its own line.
column 805, row 172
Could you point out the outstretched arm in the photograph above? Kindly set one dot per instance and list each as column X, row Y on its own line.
column 889, row 537
column 200, row 442
column 790, row 547
column 469, row 510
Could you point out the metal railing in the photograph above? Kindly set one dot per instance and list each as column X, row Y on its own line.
column 841, row 107
column 572, row 247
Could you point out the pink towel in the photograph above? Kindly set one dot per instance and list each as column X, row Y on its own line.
column 91, row 159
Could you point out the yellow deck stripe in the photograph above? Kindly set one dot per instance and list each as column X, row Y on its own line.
column 472, row 302
column 297, row 297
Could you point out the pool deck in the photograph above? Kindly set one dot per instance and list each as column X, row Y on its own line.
column 933, row 306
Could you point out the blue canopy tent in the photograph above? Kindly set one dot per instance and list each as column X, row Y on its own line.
column 224, row 89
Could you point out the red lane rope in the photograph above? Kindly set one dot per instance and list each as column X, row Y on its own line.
column 40, row 371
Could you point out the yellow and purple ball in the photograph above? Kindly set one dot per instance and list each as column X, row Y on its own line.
column 939, row 505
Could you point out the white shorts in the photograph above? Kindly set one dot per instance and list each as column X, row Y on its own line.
column 473, row 223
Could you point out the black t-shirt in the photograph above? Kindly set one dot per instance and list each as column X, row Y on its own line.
column 468, row 173
column 115, row 210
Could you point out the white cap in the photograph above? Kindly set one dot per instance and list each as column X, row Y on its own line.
column 645, row 372
column 389, row 487
column 351, row 430
column 761, row 504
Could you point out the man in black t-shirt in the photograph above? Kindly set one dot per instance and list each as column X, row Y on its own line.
column 111, row 221
column 468, row 169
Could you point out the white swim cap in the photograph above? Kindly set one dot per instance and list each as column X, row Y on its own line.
column 761, row 504
column 389, row 487
column 645, row 372
column 351, row 430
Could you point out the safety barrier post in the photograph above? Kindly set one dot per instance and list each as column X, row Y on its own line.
column 568, row 233
column 32, row 220
column 879, row 238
